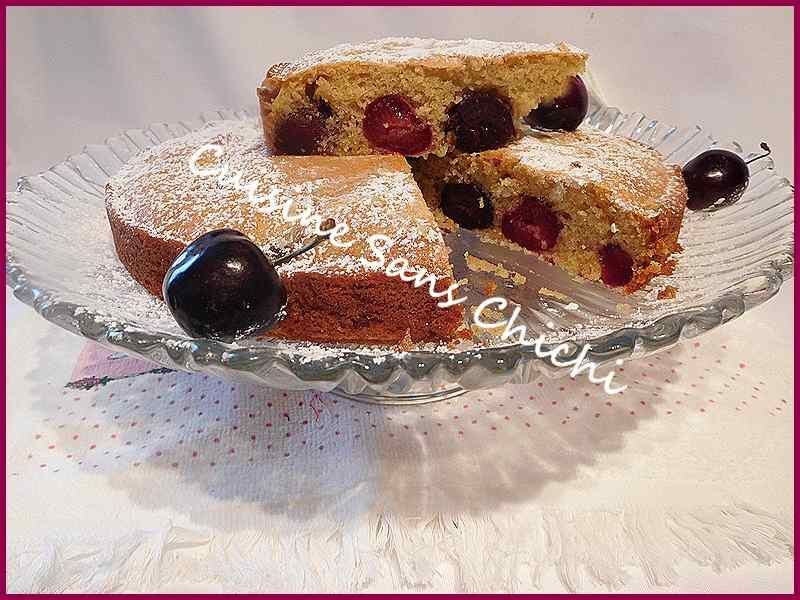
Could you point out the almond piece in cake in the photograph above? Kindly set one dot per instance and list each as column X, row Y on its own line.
column 156, row 205
column 410, row 96
column 601, row 206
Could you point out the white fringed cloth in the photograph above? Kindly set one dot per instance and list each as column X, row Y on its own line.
column 132, row 479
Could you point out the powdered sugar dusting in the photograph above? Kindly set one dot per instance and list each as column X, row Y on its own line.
column 634, row 176
column 400, row 49
column 158, row 192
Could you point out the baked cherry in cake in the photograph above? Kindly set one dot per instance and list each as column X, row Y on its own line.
column 391, row 124
column 532, row 225
column 468, row 205
column 301, row 133
column 616, row 266
column 481, row 120
column 566, row 112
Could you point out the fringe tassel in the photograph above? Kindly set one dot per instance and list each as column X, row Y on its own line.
column 448, row 553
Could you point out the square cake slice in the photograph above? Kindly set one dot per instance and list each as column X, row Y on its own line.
column 601, row 206
column 171, row 194
column 410, row 96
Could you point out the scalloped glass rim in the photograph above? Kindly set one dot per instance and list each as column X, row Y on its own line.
column 394, row 373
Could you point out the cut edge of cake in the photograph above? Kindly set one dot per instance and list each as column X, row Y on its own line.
column 327, row 95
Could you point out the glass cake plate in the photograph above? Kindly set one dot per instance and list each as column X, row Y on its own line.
column 61, row 261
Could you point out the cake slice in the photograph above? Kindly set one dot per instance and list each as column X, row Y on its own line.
column 601, row 206
column 410, row 96
column 156, row 205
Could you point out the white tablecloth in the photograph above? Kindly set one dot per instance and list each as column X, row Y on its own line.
column 169, row 481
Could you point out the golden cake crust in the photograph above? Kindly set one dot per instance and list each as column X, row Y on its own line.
column 157, row 205
column 423, row 52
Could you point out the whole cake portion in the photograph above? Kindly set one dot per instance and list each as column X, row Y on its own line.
column 601, row 206
column 157, row 205
column 410, row 96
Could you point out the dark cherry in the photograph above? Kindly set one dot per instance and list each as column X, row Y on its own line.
column 717, row 176
column 565, row 112
column 616, row 265
column 532, row 225
column 468, row 205
column 391, row 124
column 223, row 287
column 301, row 133
column 481, row 120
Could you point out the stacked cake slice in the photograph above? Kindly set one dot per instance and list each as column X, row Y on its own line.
column 603, row 207
column 411, row 96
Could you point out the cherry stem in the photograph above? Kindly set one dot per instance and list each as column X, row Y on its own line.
column 327, row 225
column 766, row 153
